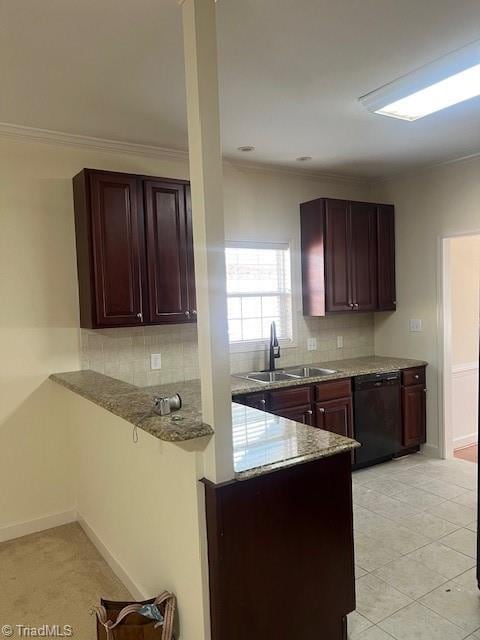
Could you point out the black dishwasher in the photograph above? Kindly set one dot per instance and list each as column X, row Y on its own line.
column 377, row 417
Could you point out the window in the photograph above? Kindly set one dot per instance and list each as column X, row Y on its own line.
column 258, row 291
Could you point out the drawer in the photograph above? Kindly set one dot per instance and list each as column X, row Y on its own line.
column 255, row 400
column 332, row 390
column 292, row 397
column 413, row 376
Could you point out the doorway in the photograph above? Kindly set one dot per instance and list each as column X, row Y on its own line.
column 461, row 312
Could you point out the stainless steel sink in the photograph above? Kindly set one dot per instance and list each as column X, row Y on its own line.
column 268, row 376
column 309, row 372
column 291, row 373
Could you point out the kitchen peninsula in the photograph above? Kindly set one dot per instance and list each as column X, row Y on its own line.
column 281, row 511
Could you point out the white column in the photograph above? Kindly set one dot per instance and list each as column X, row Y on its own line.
column 200, row 43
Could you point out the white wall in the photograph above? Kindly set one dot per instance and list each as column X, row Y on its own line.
column 430, row 205
column 140, row 503
column 465, row 296
column 38, row 288
column 463, row 273
column 39, row 320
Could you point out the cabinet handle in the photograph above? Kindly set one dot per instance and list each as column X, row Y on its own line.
column 194, row 312
column 321, row 410
column 424, row 391
column 351, row 305
column 187, row 314
column 416, row 376
column 140, row 316
column 263, row 402
column 356, row 305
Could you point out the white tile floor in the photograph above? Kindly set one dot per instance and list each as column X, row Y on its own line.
column 415, row 551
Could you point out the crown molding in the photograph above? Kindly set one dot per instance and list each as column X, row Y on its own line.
column 33, row 134
column 19, row 132
column 413, row 171
column 259, row 167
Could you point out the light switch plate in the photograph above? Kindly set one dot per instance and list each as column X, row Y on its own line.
column 312, row 344
column 416, row 325
column 155, row 361
column 339, row 342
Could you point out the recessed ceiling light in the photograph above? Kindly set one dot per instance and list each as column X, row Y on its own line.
column 441, row 84
column 304, row 158
column 246, row 148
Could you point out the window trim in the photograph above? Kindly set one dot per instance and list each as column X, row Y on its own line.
column 262, row 345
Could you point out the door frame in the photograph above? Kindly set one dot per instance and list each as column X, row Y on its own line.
column 444, row 343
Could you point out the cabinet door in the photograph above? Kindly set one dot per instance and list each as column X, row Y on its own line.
column 255, row 400
column 386, row 257
column 338, row 295
column 302, row 414
column 335, row 416
column 117, row 249
column 192, row 297
column 166, row 252
column 363, row 232
column 414, row 415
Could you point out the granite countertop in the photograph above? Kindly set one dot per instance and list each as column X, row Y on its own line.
column 343, row 369
column 135, row 404
column 263, row 443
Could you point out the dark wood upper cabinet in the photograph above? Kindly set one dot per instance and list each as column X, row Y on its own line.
column 348, row 256
column 338, row 254
column 363, row 234
column 134, row 250
column 386, row 257
column 166, row 234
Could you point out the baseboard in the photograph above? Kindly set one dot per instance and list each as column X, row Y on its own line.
column 114, row 564
column 19, row 529
column 430, row 450
column 465, row 441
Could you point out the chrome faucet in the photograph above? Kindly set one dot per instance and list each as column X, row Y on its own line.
column 274, row 347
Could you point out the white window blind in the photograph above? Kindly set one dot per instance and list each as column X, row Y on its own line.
column 258, row 291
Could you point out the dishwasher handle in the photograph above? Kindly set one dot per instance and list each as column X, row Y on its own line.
column 376, row 380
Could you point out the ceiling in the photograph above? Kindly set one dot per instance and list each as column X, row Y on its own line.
column 290, row 75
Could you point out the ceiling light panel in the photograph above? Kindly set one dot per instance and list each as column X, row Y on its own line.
column 450, row 80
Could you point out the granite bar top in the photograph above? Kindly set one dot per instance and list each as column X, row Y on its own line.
column 263, row 443
column 343, row 369
column 135, row 404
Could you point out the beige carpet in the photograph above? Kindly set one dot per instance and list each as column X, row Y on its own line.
column 54, row 577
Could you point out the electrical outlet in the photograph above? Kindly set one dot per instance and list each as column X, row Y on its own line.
column 416, row 325
column 155, row 361
column 312, row 344
column 339, row 342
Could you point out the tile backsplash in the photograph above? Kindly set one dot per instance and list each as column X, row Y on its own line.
column 125, row 353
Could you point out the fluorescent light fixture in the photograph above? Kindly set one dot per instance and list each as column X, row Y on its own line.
column 441, row 84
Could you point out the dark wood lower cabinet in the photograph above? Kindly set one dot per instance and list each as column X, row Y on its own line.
column 255, row 400
column 414, row 415
column 328, row 405
column 303, row 414
column 280, row 553
column 335, row 416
